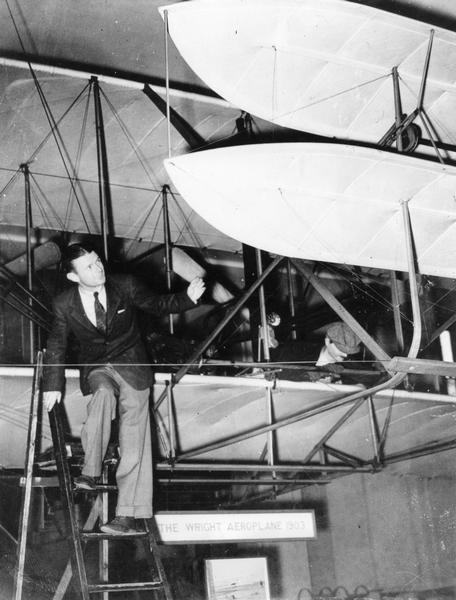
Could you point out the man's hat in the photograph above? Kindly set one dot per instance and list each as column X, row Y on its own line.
column 343, row 337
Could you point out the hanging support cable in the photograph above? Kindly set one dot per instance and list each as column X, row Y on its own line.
column 168, row 119
column 189, row 134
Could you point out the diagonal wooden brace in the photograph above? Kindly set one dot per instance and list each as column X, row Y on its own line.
column 342, row 312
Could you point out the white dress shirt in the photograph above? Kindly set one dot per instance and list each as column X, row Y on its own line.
column 88, row 302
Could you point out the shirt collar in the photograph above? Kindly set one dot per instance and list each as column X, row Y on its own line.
column 89, row 293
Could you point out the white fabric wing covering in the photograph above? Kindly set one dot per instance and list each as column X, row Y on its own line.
column 327, row 202
column 320, row 66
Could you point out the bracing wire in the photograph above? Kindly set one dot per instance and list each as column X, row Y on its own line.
column 450, row 135
column 371, row 293
column 144, row 219
column 10, row 182
column 43, row 142
column 274, row 86
column 48, row 204
column 437, row 304
column 71, row 196
column 365, row 288
column 39, row 147
column 157, row 221
column 332, row 96
column 85, row 180
column 48, row 113
column 135, row 147
column 46, row 221
column 186, row 222
column 60, row 144
column 186, row 228
column 54, row 126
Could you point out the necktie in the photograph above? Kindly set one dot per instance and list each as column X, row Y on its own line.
column 100, row 314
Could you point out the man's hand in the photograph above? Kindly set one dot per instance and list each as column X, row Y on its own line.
column 196, row 289
column 50, row 398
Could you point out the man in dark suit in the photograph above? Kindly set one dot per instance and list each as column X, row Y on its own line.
column 100, row 312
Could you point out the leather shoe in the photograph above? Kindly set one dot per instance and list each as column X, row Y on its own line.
column 120, row 526
column 85, row 482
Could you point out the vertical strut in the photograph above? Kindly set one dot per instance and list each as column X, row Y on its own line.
column 103, row 171
column 397, row 109
column 397, row 312
column 264, row 337
column 291, row 300
column 417, row 329
column 425, row 70
column 28, row 237
column 168, row 255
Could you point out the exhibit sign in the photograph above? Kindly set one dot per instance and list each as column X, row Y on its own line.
column 235, row 526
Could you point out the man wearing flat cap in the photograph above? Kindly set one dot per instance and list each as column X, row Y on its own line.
column 340, row 341
column 311, row 361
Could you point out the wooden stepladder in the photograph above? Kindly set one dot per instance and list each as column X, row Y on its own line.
column 79, row 538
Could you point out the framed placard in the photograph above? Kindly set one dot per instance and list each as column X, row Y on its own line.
column 235, row 526
column 237, row 579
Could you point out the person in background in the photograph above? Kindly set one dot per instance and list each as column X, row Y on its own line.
column 340, row 342
column 100, row 312
column 315, row 361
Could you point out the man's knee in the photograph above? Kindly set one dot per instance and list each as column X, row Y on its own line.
column 103, row 398
column 101, row 380
column 103, row 390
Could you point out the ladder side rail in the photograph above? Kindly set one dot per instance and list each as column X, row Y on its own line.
column 152, row 536
column 65, row 482
column 68, row 573
column 28, row 472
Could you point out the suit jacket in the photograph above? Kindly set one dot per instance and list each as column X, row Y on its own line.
column 121, row 345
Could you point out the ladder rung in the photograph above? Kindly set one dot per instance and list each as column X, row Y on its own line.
column 99, row 535
column 99, row 489
column 42, row 482
column 124, row 587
